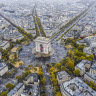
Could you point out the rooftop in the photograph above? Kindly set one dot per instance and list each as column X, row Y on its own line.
column 76, row 87
column 34, row 91
column 34, row 75
column 15, row 89
column 90, row 39
column 93, row 45
column 87, row 50
column 93, row 76
column 3, row 43
column 82, row 63
column 93, row 66
column 62, row 74
column 2, row 65
column 42, row 39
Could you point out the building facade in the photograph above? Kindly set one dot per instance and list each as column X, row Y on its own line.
column 3, row 69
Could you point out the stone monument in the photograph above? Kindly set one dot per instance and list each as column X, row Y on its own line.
column 43, row 47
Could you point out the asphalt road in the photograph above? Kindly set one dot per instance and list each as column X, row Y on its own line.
column 49, row 88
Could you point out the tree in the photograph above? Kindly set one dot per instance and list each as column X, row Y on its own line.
column 69, row 72
column 53, row 75
column 79, row 53
column 42, row 94
column 74, row 43
column 68, row 40
column 82, row 57
column 77, row 72
column 58, row 65
column 40, row 73
column 27, row 72
column 58, row 94
column 10, row 86
column 23, row 32
column 19, row 78
column 30, row 66
column 70, row 64
column 70, row 53
column 63, row 61
column 63, row 68
column 51, row 69
column 24, row 75
column 80, row 47
column 76, row 59
column 90, row 57
column 43, row 81
column 8, row 73
column 54, row 81
column 91, row 84
column 4, row 93
column 15, row 55
column 56, row 88
column 26, row 68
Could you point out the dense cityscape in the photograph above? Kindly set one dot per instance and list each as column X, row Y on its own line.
column 47, row 48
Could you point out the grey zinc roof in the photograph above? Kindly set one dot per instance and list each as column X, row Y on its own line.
column 15, row 89
column 93, row 76
column 35, row 90
column 2, row 44
column 62, row 74
column 34, row 75
column 2, row 65
column 87, row 50
column 93, row 45
column 90, row 39
column 81, row 88
column 82, row 63
column 93, row 66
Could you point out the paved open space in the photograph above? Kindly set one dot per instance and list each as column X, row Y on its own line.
column 28, row 58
